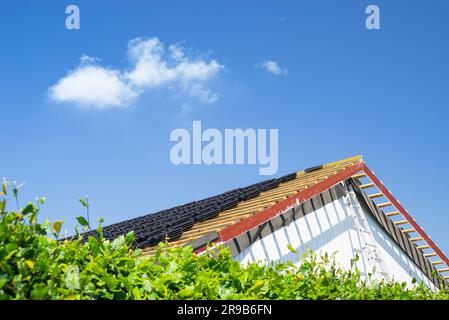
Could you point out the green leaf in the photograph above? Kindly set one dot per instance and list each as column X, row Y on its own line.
column 3, row 281
column 129, row 238
column 39, row 291
column 72, row 277
column 83, row 202
column 291, row 248
column 10, row 254
column 82, row 221
column 172, row 267
column 100, row 231
column 29, row 208
column 4, row 187
column 118, row 243
column 186, row 292
column 30, row 264
column 56, row 226
column 41, row 201
column 147, row 285
column 94, row 245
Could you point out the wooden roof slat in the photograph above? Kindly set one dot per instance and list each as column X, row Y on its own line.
column 384, row 204
column 431, row 254
column 392, row 213
column 366, row 186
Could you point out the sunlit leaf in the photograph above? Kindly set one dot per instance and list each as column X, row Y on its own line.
column 84, row 202
column 82, row 221
column 291, row 248
column 30, row 264
column 56, row 226
column 72, row 277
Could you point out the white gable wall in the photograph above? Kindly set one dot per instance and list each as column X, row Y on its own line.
column 332, row 228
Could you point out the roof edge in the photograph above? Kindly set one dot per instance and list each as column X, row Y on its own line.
column 357, row 158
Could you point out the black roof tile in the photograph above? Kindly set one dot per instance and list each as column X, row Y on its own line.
column 172, row 223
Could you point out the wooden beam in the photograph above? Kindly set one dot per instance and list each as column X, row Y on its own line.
column 400, row 222
column 437, row 262
column 416, row 239
column 375, row 195
column 443, row 270
column 358, row 176
column 366, row 186
column 392, row 213
column 385, row 204
column 425, row 246
column 432, row 254
column 408, row 230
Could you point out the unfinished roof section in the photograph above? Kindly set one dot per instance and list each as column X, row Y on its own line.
column 247, row 208
column 186, row 223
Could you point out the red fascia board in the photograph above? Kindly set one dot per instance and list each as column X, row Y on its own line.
column 200, row 249
column 404, row 213
column 280, row 207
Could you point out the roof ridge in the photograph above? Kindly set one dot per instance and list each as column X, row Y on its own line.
column 354, row 159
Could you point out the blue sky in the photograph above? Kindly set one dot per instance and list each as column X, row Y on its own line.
column 348, row 91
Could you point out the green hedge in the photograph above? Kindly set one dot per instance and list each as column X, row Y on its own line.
column 35, row 266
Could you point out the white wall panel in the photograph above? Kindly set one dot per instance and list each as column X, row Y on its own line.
column 399, row 265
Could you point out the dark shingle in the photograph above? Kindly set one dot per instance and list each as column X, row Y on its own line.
column 171, row 223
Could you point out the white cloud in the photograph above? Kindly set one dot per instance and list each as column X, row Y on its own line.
column 91, row 85
column 273, row 67
column 176, row 52
column 205, row 95
column 151, row 66
column 85, row 59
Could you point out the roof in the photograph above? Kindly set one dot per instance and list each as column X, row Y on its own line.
column 185, row 223
column 224, row 217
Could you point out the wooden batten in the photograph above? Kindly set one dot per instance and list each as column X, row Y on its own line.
column 392, row 213
column 366, row 186
column 383, row 205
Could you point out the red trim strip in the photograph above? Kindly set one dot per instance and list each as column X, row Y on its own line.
column 200, row 249
column 280, row 207
column 404, row 212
